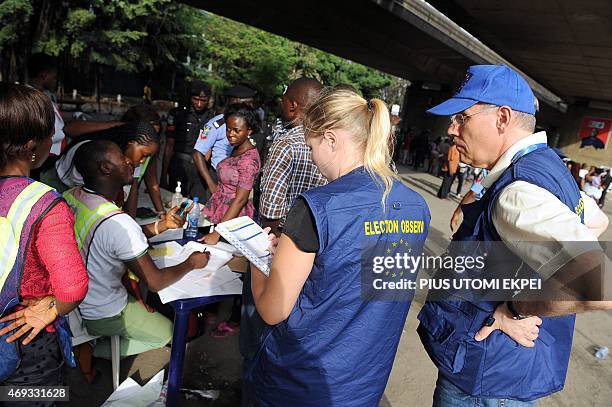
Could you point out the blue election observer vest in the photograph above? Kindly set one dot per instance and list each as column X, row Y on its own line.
column 335, row 349
column 498, row 367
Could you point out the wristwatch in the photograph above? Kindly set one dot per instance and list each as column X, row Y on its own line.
column 489, row 321
column 514, row 312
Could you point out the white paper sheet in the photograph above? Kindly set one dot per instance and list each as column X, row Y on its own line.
column 214, row 279
column 131, row 394
column 248, row 237
column 170, row 234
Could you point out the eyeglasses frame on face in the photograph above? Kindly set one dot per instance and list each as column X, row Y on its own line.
column 460, row 122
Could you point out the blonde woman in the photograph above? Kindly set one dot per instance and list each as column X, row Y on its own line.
column 331, row 338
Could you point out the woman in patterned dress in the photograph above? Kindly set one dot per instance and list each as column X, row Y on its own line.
column 237, row 173
column 230, row 196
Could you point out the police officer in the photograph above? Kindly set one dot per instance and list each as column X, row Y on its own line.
column 212, row 145
column 185, row 124
column 529, row 196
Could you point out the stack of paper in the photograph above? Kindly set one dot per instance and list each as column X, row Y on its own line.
column 249, row 238
column 214, row 279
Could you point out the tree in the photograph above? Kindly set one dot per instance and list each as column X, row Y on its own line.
column 14, row 15
column 160, row 39
column 130, row 36
column 242, row 54
column 137, row 36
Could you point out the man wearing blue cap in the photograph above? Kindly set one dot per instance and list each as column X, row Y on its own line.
column 529, row 196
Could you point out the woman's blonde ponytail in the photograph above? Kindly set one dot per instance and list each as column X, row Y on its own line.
column 377, row 154
column 368, row 122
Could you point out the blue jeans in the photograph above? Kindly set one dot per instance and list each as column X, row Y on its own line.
column 449, row 395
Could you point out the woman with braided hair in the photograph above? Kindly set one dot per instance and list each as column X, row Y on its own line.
column 139, row 141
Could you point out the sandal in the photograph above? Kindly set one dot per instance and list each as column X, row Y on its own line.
column 224, row 329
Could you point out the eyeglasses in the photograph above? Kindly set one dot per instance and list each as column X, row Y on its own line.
column 461, row 118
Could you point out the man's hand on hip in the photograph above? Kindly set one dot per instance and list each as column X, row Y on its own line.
column 523, row 331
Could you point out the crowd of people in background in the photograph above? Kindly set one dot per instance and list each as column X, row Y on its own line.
column 314, row 180
column 594, row 181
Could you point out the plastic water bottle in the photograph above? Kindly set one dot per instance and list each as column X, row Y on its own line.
column 177, row 197
column 192, row 221
column 602, row 352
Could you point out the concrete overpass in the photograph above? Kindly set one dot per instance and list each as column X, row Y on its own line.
column 564, row 47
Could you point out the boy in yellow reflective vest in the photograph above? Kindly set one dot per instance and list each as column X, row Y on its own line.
column 109, row 240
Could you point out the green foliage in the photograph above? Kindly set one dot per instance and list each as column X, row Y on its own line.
column 117, row 33
column 133, row 36
column 78, row 20
column 239, row 53
column 13, row 15
column 154, row 37
column 52, row 45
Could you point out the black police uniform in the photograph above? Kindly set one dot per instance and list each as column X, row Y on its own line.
column 184, row 126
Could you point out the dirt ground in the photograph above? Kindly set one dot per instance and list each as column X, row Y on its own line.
column 216, row 364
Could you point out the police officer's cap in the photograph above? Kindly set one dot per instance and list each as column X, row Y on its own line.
column 241, row 92
column 199, row 88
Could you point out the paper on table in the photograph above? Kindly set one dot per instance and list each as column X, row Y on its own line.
column 219, row 255
column 131, row 394
column 214, row 279
column 171, row 253
column 194, row 246
column 144, row 199
column 170, row 234
column 220, row 282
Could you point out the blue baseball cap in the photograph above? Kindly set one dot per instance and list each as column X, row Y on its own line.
column 491, row 84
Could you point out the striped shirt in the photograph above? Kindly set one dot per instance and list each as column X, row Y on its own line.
column 288, row 172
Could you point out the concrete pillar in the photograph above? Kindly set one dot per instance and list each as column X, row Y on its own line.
column 416, row 101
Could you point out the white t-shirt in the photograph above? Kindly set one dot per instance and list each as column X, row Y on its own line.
column 117, row 240
column 66, row 171
column 58, row 132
